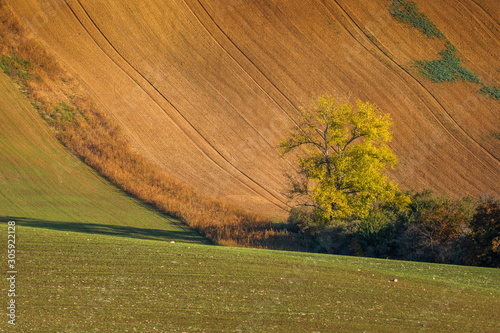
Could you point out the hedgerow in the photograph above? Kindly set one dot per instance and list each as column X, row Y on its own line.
column 483, row 240
column 432, row 229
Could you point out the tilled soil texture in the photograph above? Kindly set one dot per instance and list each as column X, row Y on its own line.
column 207, row 89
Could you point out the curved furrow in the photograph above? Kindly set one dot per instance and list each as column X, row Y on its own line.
column 239, row 57
column 468, row 137
column 242, row 57
column 130, row 76
column 277, row 201
column 206, row 91
column 233, row 57
column 491, row 18
column 480, row 20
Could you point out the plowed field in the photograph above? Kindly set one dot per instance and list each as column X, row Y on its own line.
column 207, row 89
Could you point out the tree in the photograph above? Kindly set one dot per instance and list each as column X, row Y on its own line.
column 345, row 152
column 484, row 240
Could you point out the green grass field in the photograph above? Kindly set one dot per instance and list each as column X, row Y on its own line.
column 89, row 258
column 76, row 282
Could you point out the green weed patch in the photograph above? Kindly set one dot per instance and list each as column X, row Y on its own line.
column 407, row 12
column 15, row 67
column 61, row 113
column 446, row 69
column 491, row 92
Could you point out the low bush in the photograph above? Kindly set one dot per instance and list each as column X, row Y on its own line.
column 483, row 241
column 376, row 234
column 302, row 220
column 15, row 67
column 338, row 239
column 432, row 229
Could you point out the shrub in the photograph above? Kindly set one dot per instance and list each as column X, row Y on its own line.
column 376, row 233
column 339, row 239
column 484, row 240
column 434, row 229
column 301, row 219
column 15, row 67
column 443, row 223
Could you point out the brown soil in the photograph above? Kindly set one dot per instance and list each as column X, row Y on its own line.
column 207, row 91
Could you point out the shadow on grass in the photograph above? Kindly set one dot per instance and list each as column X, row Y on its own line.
column 187, row 236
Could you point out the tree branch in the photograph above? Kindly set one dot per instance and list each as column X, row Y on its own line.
column 354, row 137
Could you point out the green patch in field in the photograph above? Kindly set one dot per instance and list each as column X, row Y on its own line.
column 61, row 113
column 15, row 67
column 496, row 135
column 407, row 12
column 491, row 92
column 446, row 69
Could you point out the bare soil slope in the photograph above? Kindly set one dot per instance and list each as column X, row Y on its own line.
column 207, row 89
